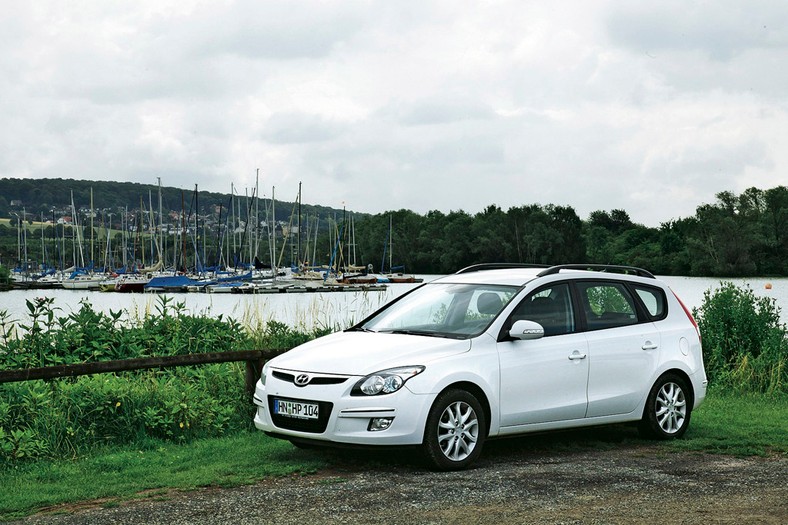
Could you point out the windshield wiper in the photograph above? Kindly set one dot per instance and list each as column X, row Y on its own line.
column 360, row 329
column 418, row 332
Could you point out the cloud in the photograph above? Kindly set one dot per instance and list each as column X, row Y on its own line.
column 651, row 108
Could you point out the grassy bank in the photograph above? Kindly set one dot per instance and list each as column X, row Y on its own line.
column 124, row 473
column 739, row 425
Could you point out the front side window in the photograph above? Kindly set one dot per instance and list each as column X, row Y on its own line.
column 443, row 310
column 607, row 305
column 550, row 307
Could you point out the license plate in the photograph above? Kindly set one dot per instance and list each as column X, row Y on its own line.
column 296, row 409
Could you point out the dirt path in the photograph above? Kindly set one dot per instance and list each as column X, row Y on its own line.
column 511, row 484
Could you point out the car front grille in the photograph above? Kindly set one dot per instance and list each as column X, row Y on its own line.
column 313, row 379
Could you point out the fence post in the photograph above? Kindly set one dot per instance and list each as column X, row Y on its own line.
column 254, row 367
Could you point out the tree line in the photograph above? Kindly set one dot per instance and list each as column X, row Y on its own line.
column 738, row 235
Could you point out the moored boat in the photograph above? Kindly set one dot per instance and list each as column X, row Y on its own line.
column 83, row 281
column 131, row 283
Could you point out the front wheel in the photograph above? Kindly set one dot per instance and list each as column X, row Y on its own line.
column 668, row 408
column 455, row 430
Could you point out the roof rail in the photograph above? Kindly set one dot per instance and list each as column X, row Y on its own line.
column 613, row 268
column 498, row 266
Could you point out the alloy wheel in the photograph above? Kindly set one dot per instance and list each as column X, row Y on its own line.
column 671, row 408
column 458, row 431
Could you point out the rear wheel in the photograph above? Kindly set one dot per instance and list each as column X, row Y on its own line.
column 668, row 408
column 455, row 430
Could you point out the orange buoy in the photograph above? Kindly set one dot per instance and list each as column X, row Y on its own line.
column 768, row 286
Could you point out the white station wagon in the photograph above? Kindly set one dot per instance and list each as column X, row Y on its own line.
column 491, row 351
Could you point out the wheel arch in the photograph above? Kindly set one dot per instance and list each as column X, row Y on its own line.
column 479, row 394
column 690, row 394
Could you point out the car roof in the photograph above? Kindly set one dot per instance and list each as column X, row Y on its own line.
column 511, row 277
column 519, row 275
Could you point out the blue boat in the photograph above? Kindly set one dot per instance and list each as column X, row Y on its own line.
column 170, row 283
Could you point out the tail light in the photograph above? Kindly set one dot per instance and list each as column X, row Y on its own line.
column 689, row 314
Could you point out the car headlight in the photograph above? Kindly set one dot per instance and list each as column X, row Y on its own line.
column 264, row 373
column 385, row 381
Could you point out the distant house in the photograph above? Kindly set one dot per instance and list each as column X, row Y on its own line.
column 16, row 202
column 65, row 220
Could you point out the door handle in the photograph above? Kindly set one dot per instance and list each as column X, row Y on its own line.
column 648, row 345
column 576, row 355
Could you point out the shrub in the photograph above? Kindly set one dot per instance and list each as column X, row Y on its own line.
column 67, row 417
column 71, row 416
column 744, row 342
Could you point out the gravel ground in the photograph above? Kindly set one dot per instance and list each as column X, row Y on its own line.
column 511, row 484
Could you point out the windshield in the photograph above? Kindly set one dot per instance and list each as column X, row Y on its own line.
column 443, row 310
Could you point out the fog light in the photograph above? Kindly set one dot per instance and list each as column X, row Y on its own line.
column 377, row 424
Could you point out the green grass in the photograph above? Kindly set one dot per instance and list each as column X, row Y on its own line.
column 122, row 474
column 724, row 424
column 739, row 425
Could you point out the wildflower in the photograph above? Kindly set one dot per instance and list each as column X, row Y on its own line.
column 117, row 404
column 181, row 424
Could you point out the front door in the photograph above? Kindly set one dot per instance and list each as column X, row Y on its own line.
column 544, row 380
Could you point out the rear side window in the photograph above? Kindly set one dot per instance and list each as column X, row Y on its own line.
column 607, row 305
column 654, row 301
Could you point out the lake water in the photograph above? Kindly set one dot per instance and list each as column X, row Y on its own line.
column 311, row 310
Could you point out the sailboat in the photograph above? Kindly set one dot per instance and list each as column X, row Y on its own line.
column 394, row 277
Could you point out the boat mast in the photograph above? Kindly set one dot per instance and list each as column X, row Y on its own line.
column 108, row 262
column 151, row 225
column 256, row 216
column 124, row 221
column 92, row 240
column 183, row 231
column 273, row 231
column 161, row 225
column 43, row 248
column 54, row 241
column 139, row 233
column 76, row 230
column 314, row 242
column 197, row 264
column 391, row 245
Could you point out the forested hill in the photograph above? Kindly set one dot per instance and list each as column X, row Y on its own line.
column 41, row 196
column 738, row 235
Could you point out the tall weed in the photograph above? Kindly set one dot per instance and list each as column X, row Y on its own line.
column 745, row 345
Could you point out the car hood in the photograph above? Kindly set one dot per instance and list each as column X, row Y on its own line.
column 361, row 353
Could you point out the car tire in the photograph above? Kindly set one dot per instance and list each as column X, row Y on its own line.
column 668, row 408
column 455, row 431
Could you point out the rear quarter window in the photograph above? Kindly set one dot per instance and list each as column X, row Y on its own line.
column 654, row 300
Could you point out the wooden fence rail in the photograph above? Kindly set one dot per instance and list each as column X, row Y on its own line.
column 254, row 363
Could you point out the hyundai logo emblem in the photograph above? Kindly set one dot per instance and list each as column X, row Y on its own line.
column 302, row 379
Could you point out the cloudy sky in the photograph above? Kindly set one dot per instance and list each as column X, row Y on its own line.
column 652, row 107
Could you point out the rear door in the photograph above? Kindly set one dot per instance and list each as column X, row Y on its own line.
column 623, row 346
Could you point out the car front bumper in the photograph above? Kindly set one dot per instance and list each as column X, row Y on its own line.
column 349, row 419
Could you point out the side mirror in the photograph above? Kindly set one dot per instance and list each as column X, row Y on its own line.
column 526, row 330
